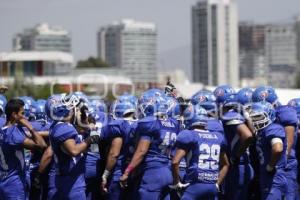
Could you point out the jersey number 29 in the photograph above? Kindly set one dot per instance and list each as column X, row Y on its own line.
column 209, row 156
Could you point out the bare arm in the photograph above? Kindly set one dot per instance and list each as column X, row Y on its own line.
column 277, row 150
column 224, row 165
column 45, row 160
column 73, row 149
column 37, row 141
column 139, row 154
column 114, row 152
column 289, row 131
column 246, row 138
column 180, row 153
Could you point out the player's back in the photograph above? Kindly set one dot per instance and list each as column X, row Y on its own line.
column 126, row 130
column 65, row 164
column 162, row 135
column 12, row 152
column 204, row 148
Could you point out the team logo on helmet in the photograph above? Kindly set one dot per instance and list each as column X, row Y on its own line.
column 219, row 92
column 264, row 94
column 202, row 98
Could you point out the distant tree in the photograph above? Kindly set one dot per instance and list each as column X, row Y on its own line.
column 92, row 62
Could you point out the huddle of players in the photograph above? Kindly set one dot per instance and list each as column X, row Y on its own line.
column 156, row 147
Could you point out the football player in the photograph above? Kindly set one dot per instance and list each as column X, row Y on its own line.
column 206, row 152
column 157, row 134
column 121, row 133
column 13, row 140
column 271, row 145
column 287, row 117
column 239, row 137
column 68, row 146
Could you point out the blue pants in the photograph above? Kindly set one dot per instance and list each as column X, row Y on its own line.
column 237, row 182
column 70, row 188
column 92, row 188
column 200, row 191
column 273, row 194
column 51, row 187
column 291, row 177
column 130, row 192
column 155, row 184
column 12, row 188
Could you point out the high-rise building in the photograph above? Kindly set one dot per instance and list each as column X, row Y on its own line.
column 215, row 42
column 253, row 62
column 297, row 30
column 281, row 53
column 131, row 46
column 43, row 38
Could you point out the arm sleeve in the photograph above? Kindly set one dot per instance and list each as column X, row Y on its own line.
column 287, row 116
column 17, row 136
column 64, row 132
column 184, row 140
column 146, row 129
column 115, row 129
column 275, row 132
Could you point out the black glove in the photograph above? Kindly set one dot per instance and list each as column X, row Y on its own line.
column 36, row 180
column 271, row 170
column 169, row 88
column 234, row 160
column 94, row 139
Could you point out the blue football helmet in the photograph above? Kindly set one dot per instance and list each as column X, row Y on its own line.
column 195, row 115
column 244, row 96
column 205, row 99
column 3, row 103
column 265, row 93
column 152, row 103
column 60, row 106
column 101, row 106
column 173, row 107
column 121, row 109
column 222, row 93
column 28, row 104
column 262, row 115
column 38, row 109
column 128, row 98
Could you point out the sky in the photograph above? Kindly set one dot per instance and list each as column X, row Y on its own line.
column 83, row 18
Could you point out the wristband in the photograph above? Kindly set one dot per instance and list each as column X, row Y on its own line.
column 269, row 168
column 128, row 169
column 106, row 174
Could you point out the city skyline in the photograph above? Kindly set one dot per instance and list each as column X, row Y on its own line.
column 86, row 19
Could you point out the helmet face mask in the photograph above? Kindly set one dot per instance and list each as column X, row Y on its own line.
column 262, row 115
column 153, row 103
column 260, row 120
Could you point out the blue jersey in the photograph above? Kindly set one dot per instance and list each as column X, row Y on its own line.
column 231, row 120
column 36, row 156
column 12, row 161
column 92, row 160
column 215, row 125
column 65, row 164
column 126, row 130
column 204, row 150
column 2, row 121
column 264, row 149
column 287, row 116
column 162, row 134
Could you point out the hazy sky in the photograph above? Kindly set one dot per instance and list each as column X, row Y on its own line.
column 84, row 17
